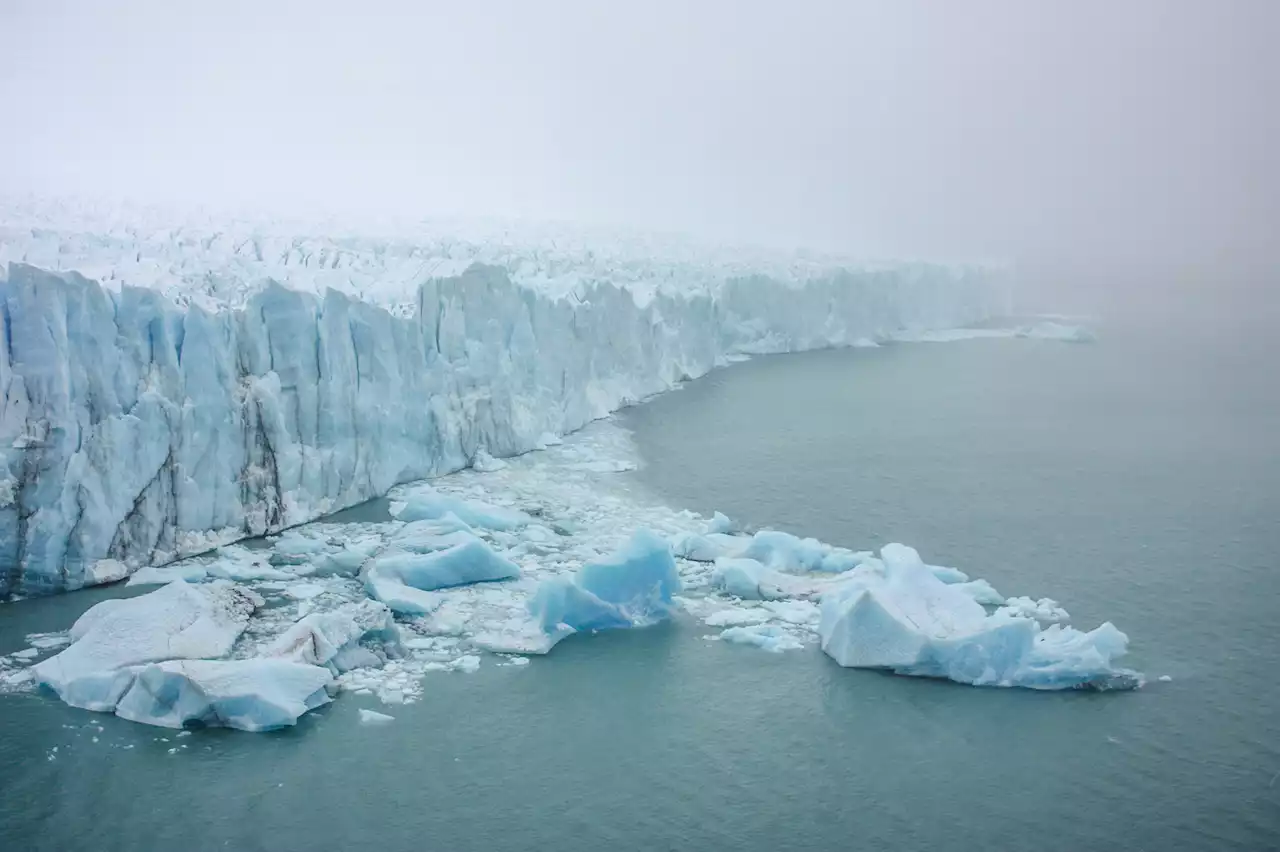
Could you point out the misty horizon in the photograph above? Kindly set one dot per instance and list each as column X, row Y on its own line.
column 1135, row 133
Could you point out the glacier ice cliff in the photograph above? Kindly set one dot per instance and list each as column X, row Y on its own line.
column 137, row 430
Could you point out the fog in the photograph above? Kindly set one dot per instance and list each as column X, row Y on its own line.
column 1135, row 131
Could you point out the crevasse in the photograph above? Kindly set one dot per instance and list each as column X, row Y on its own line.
column 135, row 432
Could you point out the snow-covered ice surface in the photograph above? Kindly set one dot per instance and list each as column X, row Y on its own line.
column 172, row 385
column 583, row 531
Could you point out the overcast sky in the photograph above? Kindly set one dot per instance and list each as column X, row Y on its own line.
column 946, row 129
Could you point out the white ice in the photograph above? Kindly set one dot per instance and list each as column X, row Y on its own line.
column 177, row 621
column 373, row 717
column 901, row 616
column 249, row 695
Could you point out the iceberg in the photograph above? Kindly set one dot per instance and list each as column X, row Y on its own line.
column 249, row 695
column 790, row 554
column 332, row 639
column 401, row 598
column 767, row 637
column 462, row 560
column 748, row 579
column 373, row 717
column 177, row 621
column 193, row 396
column 904, row 618
column 633, row 587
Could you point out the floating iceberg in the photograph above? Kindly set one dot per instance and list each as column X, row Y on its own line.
column 634, row 587
column 332, row 639
column 748, row 579
column 787, row 553
column 373, row 717
column 464, row 559
column 905, row 619
column 249, row 695
column 427, row 504
column 177, row 621
column 766, row 637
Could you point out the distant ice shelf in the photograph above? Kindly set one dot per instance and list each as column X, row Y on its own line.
column 141, row 424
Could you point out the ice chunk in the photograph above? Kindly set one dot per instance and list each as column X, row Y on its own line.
column 1045, row 610
column 191, row 572
column 467, row 560
column 793, row 612
column 482, row 462
column 428, row 504
column 767, row 637
column 900, row 556
column 737, row 617
column 401, row 598
column 1049, row 330
column 911, row 622
column 332, row 638
column 106, row 571
column 177, row 621
column 720, row 523
column 631, row 588
column 981, row 591
column 785, row 552
column 748, row 579
column 373, row 717
column 708, row 548
column 250, row 695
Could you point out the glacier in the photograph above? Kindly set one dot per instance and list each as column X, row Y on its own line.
column 140, row 430
column 206, row 386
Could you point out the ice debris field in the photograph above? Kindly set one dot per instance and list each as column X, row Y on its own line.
column 156, row 438
column 496, row 568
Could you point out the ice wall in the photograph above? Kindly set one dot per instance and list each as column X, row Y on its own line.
column 136, row 430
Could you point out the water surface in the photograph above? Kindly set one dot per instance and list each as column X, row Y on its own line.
column 1134, row 480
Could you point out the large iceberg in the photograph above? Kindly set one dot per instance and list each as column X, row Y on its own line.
column 250, row 384
column 901, row 616
column 112, row 638
column 632, row 587
column 250, row 695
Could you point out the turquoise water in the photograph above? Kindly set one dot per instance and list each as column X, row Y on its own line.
column 1136, row 480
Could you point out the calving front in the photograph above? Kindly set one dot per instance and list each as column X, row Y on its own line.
column 135, row 432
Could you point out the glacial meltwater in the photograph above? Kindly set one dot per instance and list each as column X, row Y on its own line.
column 1136, row 480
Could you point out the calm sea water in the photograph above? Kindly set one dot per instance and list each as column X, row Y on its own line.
column 1136, row 480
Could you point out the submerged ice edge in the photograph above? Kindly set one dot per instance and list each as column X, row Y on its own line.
column 589, row 555
column 134, row 432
